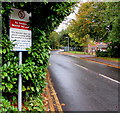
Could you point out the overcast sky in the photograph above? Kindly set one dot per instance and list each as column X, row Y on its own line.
column 65, row 23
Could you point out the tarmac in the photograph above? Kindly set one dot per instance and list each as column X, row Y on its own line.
column 52, row 103
column 93, row 58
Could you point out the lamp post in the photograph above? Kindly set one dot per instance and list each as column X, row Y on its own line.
column 68, row 43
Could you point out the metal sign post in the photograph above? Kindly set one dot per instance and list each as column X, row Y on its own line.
column 20, row 85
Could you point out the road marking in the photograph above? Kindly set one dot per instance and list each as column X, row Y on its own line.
column 109, row 78
column 81, row 66
column 59, row 107
column 69, row 61
column 101, row 63
column 100, row 74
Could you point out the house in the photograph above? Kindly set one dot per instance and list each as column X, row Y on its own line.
column 97, row 46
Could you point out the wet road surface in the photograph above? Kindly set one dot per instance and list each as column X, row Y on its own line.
column 83, row 85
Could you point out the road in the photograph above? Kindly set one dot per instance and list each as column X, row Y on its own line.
column 83, row 85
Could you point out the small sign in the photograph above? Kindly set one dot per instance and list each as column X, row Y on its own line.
column 20, row 34
column 21, row 14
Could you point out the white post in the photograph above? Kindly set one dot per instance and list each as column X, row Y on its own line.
column 20, row 85
column 68, row 43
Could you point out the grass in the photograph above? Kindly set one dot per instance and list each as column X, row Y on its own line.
column 106, row 58
column 79, row 52
column 112, row 59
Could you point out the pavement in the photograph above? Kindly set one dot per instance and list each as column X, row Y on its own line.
column 94, row 59
column 51, row 101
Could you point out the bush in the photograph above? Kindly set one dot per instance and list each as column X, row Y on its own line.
column 101, row 53
column 6, row 106
column 114, row 50
column 35, row 61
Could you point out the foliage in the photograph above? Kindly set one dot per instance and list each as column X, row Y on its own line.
column 54, row 40
column 112, row 17
column 92, row 23
column 101, row 53
column 64, row 40
column 87, row 24
column 6, row 105
column 35, row 104
column 113, row 50
column 45, row 17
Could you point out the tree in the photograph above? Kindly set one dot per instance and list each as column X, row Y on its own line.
column 54, row 40
column 87, row 22
column 62, row 36
column 64, row 41
column 112, row 19
column 98, row 21
column 45, row 17
column 113, row 35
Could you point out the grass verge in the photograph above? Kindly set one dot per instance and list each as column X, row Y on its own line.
column 79, row 52
column 112, row 59
column 105, row 58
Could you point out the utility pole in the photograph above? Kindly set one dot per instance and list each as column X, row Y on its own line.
column 68, row 43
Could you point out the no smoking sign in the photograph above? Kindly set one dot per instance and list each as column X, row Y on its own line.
column 19, row 30
column 21, row 14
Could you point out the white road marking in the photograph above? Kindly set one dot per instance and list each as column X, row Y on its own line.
column 69, row 61
column 100, row 74
column 109, row 78
column 81, row 66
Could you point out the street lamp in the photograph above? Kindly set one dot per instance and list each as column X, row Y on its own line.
column 68, row 43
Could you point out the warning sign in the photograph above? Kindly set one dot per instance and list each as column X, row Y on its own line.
column 19, row 24
column 20, row 34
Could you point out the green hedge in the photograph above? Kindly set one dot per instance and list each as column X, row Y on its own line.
column 101, row 53
column 33, row 70
column 45, row 17
column 114, row 49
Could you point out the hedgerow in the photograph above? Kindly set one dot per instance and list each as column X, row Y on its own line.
column 45, row 17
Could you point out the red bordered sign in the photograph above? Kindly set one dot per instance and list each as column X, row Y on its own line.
column 20, row 34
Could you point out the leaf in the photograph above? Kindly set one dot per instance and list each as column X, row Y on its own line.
column 26, row 77
column 8, row 78
column 23, row 88
column 0, row 51
column 28, row 88
column 31, row 104
column 5, row 74
column 30, row 75
column 9, row 86
column 4, row 51
column 21, row 4
column 32, row 88
column 37, row 89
